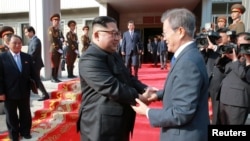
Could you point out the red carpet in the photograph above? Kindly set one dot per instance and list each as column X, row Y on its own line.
column 56, row 121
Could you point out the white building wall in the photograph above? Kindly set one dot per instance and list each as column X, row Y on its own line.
column 19, row 6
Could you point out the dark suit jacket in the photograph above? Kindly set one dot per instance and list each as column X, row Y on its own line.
column 131, row 44
column 235, row 90
column 184, row 116
column 108, row 90
column 13, row 83
column 35, row 50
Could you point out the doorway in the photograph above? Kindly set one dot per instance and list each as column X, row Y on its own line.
column 149, row 33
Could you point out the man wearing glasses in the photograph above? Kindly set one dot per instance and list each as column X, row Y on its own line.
column 131, row 48
column 108, row 89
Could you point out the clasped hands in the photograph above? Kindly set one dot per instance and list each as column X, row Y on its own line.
column 145, row 99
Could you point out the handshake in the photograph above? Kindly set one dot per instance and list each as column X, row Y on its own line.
column 149, row 95
column 145, row 99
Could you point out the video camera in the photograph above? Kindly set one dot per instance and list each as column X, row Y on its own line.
column 228, row 48
column 244, row 49
column 202, row 40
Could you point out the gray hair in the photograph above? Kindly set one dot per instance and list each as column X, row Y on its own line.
column 180, row 17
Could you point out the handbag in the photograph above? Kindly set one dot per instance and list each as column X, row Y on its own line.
column 33, row 86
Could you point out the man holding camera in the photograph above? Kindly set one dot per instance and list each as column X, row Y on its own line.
column 234, row 94
column 215, row 63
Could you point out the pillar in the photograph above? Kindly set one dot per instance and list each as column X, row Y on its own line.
column 39, row 17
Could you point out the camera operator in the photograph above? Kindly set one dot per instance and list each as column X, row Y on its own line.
column 215, row 67
column 234, row 94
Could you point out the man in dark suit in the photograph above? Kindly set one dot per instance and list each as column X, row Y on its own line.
column 56, row 40
column 184, row 115
column 162, row 49
column 5, row 32
column 155, row 51
column 131, row 48
column 16, row 70
column 215, row 64
column 108, row 89
column 35, row 50
column 234, row 94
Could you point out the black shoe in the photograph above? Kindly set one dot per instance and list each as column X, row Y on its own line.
column 43, row 98
column 57, row 80
column 72, row 76
column 54, row 80
column 27, row 136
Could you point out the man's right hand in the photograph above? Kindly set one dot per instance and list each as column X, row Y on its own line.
column 2, row 97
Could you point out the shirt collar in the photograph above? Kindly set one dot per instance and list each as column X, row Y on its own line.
column 181, row 48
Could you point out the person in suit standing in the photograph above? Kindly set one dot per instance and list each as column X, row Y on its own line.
column 131, row 48
column 162, row 49
column 234, row 95
column 236, row 11
column 72, row 48
column 108, row 89
column 5, row 32
column 155, row 49
column 16, row 70
column 35, row 50
column 56, row 40
column 85, row 38
column 184, row 115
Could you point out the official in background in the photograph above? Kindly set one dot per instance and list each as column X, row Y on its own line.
column 35, row 50
column 131, row 48
column 85, row 38
column 108, row 89
column 184, row 115
column 16, row 70
column 56, row 40
column 155, row 49
column 71, row 49
column 162, row 49
column 236, row 12
column 5, row 32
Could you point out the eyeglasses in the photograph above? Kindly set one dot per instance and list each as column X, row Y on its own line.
column 113, row 33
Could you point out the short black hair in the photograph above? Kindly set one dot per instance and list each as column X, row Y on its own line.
column 223, row 30
column 30, row 29
column 245, row 34
column 103, row 20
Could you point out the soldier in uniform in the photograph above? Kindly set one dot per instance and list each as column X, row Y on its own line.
column 56, row 40
column 72, row 48
column 221, row 22
column 238, row 26
column 85, row 38
column 5, row 32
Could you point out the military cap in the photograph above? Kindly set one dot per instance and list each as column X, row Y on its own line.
column 87, row 27
column 55, row 16
column 222, row 19
column 70, row 22
column 6, row 30
column 245, row 48
column 238, row 8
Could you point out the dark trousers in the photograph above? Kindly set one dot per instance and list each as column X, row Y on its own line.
column 18, row 124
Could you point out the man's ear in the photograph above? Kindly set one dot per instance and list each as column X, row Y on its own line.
column 96, row 35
